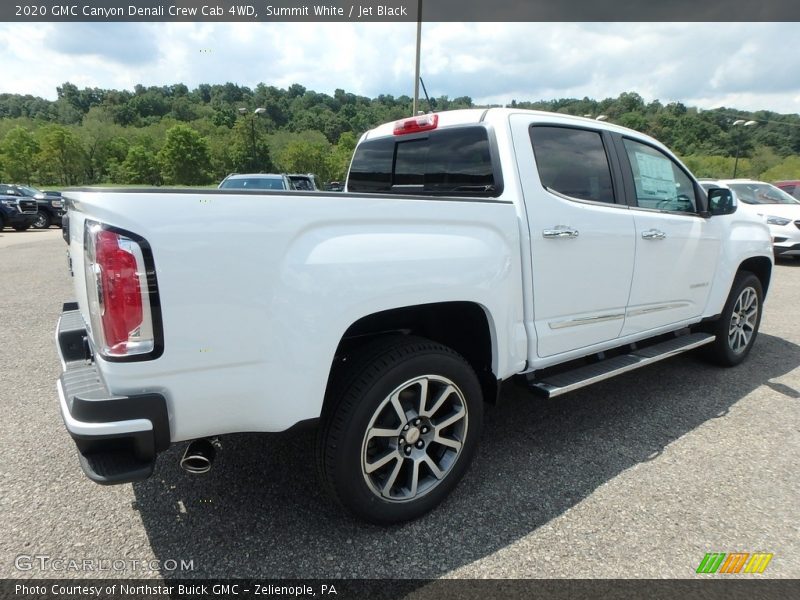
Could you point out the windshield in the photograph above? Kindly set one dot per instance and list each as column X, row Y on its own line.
column 28, row 191
column 761, row 193
column 253, row 183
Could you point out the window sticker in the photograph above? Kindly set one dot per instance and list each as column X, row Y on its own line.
column 656, row 177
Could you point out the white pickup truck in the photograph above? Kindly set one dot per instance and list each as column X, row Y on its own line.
column 469, row 247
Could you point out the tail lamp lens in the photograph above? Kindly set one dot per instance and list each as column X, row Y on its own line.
column 117, row 290
column 416, row 124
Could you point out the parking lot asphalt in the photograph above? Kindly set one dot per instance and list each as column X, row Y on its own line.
column 638, row 476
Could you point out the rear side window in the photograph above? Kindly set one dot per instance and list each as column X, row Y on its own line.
column 573, row 162
column 447, row 161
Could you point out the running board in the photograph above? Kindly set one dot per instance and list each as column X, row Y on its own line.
column 561, row 383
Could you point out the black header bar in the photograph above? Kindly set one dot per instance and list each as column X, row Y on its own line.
column 398, row 10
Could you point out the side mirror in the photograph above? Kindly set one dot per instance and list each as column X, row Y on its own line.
column 721, row 202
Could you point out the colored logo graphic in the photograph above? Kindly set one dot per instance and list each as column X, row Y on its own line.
column 737, row 562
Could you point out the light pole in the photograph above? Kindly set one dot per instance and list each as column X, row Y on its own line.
column 743, row 123
column 243, row 111
column 416, row 71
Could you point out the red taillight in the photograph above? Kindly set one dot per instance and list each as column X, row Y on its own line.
column 121, row 290
column 416, row 124
column 118, row 293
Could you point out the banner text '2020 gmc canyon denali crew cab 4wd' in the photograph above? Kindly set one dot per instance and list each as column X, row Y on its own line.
column 469, row 247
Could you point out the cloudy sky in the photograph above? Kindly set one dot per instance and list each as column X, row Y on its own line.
column 740, row 65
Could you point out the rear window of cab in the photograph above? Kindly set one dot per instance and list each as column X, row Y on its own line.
column 449, row 161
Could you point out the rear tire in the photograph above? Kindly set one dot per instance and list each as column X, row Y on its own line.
column 737, row 327
column 400, row 428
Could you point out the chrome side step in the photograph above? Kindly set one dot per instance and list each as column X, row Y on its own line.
column 561, row 383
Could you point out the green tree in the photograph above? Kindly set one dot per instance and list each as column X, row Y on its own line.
column 98, row 135
column 18, row 152
column 184, row 158
column 140, row 166
column 339, row 158
column 708, row 166
column 61, row 157
column 302, row 156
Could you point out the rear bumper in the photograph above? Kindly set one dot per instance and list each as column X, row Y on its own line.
column 118, row 437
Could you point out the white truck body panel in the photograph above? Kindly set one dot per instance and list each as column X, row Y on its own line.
column 257, row 291
column 249, row 340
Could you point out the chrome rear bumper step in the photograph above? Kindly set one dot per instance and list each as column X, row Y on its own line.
column 561, row 383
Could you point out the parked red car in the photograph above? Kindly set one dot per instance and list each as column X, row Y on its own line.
column 790, row 187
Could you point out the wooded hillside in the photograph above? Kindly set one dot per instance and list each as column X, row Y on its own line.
column 173, row 135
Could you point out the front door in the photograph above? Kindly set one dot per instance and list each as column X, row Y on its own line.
column 677, row 250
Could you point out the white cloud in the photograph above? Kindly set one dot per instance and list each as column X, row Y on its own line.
column 742, row 65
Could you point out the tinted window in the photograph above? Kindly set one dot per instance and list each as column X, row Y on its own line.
column 660, row 183
column 454, row 161
column 253, row 183
column 9, row 190
column 371, row 170
column 302, row 183
column 573, row 162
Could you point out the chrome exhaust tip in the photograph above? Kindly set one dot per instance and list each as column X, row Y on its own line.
column 199, row 456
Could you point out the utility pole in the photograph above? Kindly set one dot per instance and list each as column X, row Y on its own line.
column 743, row 123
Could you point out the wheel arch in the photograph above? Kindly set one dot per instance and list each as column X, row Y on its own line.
column 761, row 267
column 466, row 327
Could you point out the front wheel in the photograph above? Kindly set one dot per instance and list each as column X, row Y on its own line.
column 42, row 220
column 737, row 327
column 400, row 428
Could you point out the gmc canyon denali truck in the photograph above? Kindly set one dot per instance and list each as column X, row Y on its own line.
column 469, row 247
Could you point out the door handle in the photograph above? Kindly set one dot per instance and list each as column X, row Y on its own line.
column 653, row 234
column 559, row 231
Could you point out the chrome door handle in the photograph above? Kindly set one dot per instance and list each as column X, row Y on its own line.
column 653, row 234
column 559, row 231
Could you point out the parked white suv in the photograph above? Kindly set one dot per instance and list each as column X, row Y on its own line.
column 780, row 210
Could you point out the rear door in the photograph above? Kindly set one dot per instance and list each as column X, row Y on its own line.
column 581, row 231
column 677, row 250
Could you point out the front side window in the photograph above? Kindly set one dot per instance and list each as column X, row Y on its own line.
column 660, row 183
column 573, row 162
column 447, row 161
